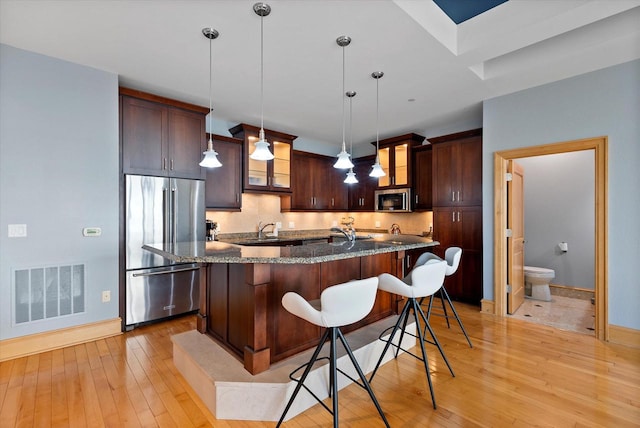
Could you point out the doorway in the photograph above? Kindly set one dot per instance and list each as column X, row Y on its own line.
column 501, row 160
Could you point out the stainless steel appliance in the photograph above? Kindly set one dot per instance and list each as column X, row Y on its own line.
column 393, row 200
column 167, row 210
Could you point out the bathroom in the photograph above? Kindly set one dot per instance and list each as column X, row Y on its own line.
column 559, row 218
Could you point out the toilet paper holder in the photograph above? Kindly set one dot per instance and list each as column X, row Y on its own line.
column 564, row 247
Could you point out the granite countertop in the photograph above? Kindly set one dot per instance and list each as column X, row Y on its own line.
column 225, row 252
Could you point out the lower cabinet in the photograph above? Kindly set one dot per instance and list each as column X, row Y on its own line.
column 461, row 227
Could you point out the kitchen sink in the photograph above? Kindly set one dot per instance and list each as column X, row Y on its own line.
column 272, row 241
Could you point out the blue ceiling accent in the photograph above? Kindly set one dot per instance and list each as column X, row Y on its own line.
column 461, row 10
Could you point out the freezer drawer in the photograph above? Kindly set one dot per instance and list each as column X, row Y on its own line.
column 161, row 292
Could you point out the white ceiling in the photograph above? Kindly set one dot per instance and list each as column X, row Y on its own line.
column 436, row 73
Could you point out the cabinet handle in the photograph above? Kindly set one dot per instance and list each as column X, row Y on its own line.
column 171, row 165
column 237, row 197
column 332, row 202
column 164, row 163
column 453, row 216
column 393, row 181
column 416, row 199
column 453, row 196
column 458, row 215
column 458, row 192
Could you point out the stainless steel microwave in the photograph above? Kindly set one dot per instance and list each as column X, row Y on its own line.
column 393, row 200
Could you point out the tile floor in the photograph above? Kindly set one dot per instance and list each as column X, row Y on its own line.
column 564, row 311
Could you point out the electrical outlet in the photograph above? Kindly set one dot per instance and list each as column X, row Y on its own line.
column 292, row 225
column 106, row 296
column 278, row 225
column 377, row 224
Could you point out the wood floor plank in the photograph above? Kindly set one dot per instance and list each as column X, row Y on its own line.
column 517, row 374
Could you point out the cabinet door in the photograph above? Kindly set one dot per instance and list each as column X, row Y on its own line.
column 301, row 182
column 339, row 190
column 444, row 180
column 280, row 165
column 422, row 182
column 144, row 143
column 469, row 166
column 361, row 194
column 186, row 138
column 223, row 188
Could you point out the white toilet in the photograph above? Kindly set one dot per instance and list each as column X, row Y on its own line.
column 536, row 282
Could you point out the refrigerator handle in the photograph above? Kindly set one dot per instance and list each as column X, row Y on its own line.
column 165, row 209
column 174, row 216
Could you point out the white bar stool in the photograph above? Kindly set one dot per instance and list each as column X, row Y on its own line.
column 452, row 256
column 339, row 305
column 423, row 281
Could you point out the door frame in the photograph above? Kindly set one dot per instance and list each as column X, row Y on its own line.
column 500, row 160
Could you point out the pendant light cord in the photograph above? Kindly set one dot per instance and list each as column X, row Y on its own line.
column 210, row 95
column 351, row 126
column 261, row 71
column 343, row 120
column 377, row 121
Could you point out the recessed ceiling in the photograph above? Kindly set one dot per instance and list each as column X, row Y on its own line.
column 462, row 10
column 448, row 69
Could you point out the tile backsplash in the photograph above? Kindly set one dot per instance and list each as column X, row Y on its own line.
column 266, row 208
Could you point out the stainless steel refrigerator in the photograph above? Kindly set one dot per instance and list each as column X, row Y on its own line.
column 161, row 210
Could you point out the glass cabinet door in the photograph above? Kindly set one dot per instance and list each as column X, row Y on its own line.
column 281, row 164
column 385, row 163
column 257, row 170
column 401, row 165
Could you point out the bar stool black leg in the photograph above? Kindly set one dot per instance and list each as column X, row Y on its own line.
column 402, row 316
column 365, row 383
column 425, row 361
column 306, row 372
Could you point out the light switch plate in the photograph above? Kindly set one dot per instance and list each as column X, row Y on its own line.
column 17, row 230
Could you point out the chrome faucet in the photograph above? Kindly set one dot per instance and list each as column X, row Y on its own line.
column 350, row 234
column 261, row 228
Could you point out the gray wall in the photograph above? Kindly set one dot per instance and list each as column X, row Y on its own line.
column 559, row 205
column 58, row 174
column 604, row 102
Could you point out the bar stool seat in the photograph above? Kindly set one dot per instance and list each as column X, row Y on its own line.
column 423, row 281
column 339, row 305
column 452, row 256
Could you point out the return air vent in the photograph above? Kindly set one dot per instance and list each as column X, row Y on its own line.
column 48, row 292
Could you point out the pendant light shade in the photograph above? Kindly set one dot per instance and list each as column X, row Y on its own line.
column 261, row 151
column 344, row 161
column 377, row 170
column 210, row 159
column 351, row 176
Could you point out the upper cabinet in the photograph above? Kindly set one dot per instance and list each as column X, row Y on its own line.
column 457, row 169
column 161, row 137
column 266, row 176
column 315, row 184
column 422, row 181
column 362, row 193
column 223, row 188
column 395, row 159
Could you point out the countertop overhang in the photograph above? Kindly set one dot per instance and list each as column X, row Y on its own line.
column 221, row 252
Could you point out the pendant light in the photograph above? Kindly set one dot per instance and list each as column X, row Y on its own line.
column 377, row 170
column 262, row 151
column 210, row 159
column 351, row 176
column 343, row 161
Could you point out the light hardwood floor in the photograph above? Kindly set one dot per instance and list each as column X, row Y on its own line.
column 517, row 374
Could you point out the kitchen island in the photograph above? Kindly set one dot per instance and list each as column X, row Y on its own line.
column 241, row 289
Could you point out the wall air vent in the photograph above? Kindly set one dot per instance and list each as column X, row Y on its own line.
column 48, row 292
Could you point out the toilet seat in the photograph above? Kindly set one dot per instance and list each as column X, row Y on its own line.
column 538, row 272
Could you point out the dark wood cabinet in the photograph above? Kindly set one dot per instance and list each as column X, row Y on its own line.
column 422, row 178
column 223, row 187
column 361, row 194
column 273, row 176
column 457, row 208
column 457, row 169
column 315, row 184
column 161, row 137
column 395, row 159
